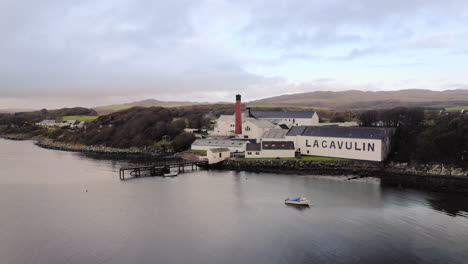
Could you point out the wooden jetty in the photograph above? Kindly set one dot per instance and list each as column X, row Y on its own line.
column 159, row 168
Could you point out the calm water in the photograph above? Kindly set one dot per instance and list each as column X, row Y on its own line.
column 213, row 217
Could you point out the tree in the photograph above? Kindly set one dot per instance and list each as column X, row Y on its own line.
column 368, row 118
column 183, row 141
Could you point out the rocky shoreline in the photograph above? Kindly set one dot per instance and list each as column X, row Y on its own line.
column 95, row 149
column 434, row 177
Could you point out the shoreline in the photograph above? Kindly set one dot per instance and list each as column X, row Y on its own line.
column 432, row 177
column 436, row 177
column 95, row 149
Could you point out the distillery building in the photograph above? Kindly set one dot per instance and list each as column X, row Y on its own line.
column 361, row 143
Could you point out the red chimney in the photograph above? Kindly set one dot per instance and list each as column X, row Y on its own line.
column 238, row 115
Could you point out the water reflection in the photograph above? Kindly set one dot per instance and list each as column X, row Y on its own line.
column 213, row 216
column 453, row 205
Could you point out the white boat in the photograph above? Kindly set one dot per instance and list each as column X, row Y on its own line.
column 297, row 201
column 171, row 174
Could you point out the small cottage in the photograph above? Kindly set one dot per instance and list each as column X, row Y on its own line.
column 216, row 155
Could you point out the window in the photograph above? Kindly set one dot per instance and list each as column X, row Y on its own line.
column 220, row 155
column 257, row 153
column 307, row 152
column 294, row 120
column 246, row 136
column 249, row 153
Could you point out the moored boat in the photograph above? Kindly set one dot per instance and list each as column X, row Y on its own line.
column 170, row 174
column 297, row 201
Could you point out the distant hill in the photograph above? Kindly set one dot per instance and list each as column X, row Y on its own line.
column 145, row 103
column 356, row 100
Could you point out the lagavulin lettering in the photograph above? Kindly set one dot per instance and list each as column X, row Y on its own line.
column 332, row 144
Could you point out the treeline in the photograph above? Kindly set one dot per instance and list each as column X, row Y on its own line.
column 134, row 127
column 423, row 136
column 37, row 116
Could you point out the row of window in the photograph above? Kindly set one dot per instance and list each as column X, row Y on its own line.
column 256, row 153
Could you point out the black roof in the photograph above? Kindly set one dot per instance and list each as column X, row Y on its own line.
column 282, row 114
column 278, row 145
column 341, row 132
column 253, row 147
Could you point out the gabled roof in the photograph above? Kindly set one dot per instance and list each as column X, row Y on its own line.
column 275, row 133
column 261, row 123
column 232, row 118
column 341, row 132
column 217, row 150
column 282, row 114
column 284, row 145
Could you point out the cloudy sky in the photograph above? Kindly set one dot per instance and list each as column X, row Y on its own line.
column 56, row 53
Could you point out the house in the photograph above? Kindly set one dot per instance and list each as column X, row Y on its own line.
column 270, row 149
column 232, row 145
column 48, row 123
column 216, row 155
column 361, row 143
column 72, row 123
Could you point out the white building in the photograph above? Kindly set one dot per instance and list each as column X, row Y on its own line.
column 49, row 123
column 270, row 149
column 361, row 143
column 225, row 125
column 289, row 118
column 216, row 155
column 254, row 129
column 232, row 145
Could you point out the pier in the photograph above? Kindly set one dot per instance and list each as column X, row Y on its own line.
column 159, row 168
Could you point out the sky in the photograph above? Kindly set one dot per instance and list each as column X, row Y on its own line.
column 56, row 53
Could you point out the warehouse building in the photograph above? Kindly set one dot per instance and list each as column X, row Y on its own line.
column 361, row 143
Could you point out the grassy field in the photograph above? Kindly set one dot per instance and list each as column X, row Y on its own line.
column 287, row 106
column 80, row 118
column 160, row 143
column 309, row 158
column 181, row 118
column 195, row 151
column 457, row 108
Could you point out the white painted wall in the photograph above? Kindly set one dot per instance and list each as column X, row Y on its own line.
column 252, row 131
column 232, row 149
column 224, row 127
column 325, row 147
column 290, row 153
column 215, row 157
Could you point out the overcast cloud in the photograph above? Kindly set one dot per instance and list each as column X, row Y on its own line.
column 55, row 53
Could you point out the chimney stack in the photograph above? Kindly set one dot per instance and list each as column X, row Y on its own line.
column 238, row 115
